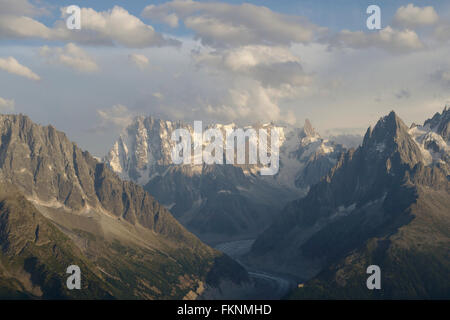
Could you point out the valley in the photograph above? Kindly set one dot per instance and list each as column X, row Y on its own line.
column 269, row 234
column 193, row 150
column 267, row 285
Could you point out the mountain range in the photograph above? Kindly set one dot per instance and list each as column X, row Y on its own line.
column 59, row 206
column 386, row 204
column 221, row 202
column 328, row 214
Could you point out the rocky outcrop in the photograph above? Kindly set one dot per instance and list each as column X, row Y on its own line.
column 220, row 202
column 117, row 226
column 382, row 194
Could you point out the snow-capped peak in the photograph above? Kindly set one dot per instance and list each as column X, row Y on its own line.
column 433, row 138
column 144, row 148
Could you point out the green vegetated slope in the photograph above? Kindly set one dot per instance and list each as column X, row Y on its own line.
column 35, row 255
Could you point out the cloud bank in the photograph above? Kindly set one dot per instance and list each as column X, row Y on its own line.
column 11, row 65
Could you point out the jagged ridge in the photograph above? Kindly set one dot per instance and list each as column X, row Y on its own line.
column 378, row 196
column 122, row 230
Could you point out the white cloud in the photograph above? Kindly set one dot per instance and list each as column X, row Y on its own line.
column 71, row 56
column 258, row 78
column 224, row 25
column 388, row 39
column 12, row 27
column 250, row 104
column 139, row 60
column 271, row 66
column 117, row 115
column 6, row 105
column 171, row 20
column 12, row 66
column 112, row 27
column 252, row 56
column 411, row 16
column 21, row 7
column 118, row 26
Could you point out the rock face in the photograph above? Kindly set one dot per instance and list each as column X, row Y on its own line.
column 433, row 138
column 382, row 204
column 220, row 202
column 440, row 124
column 132, row 243
column 315, row 155
column 48, row 168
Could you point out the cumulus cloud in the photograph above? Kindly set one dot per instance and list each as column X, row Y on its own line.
column 252, row 56
column 13, row 27
column 411, row 16
column 171, row 20
column 388, row 39
column 259, row 78
column 227, row 25
column 13, row 66
column 118, row 26
column 139, row 60
column 71, row 56
column 271, row 66
column 117, row 116
column 246, row 48
column 252, row 104
column 21, row 7
column 6, row 105
column 111, row 27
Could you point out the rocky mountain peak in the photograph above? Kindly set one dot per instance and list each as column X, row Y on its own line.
column 381, row 194
column 308, row 129
column 390, row 137
column 54, row 196
column 387, row 127
column 433, row 138
column 50, row 169
column 439, row 123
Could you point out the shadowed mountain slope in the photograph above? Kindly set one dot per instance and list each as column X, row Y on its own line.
column 136, row 245
column 382, row 204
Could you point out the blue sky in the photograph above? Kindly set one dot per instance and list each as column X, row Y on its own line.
column 280, row 61
column 335, row 14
